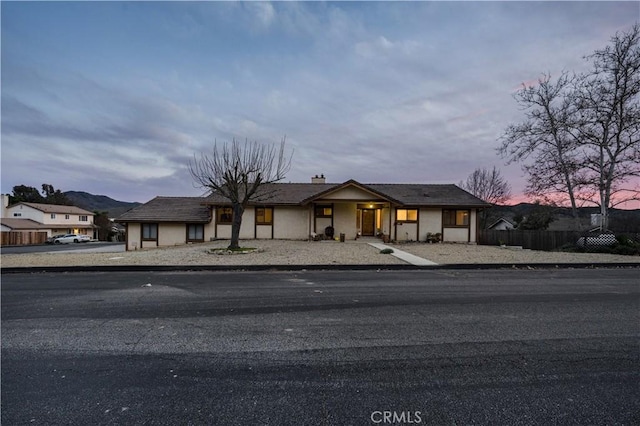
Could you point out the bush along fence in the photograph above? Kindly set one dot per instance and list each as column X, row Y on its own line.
column 627, row 243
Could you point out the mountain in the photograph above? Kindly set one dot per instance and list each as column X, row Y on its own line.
column 100, row 203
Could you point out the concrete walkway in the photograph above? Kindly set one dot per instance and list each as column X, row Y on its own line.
column 403, row 255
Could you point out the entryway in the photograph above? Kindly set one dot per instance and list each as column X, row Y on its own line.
column 368, row 223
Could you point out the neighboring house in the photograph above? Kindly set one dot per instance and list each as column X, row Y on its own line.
column 298, row 211
column 53, row 218
column 502, row 224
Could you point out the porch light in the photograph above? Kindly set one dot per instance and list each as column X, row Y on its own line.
column 370, row 206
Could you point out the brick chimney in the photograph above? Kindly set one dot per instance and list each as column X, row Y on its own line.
column 318, row 179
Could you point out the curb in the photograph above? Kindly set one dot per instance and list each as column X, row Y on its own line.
column 285, row 268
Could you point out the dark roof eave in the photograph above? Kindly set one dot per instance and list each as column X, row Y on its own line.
column 163, row 221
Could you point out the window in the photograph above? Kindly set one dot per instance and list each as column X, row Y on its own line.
column 407, row 215
column 17, row 214
column 83, row 219
column 53, row 215
column 324, row 211
column 455, row 217
column 224, row 215
column 149, row 231
column 264, row 215
column 66, row 216
column 195, row 232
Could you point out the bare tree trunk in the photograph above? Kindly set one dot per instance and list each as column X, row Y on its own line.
column 238, row 211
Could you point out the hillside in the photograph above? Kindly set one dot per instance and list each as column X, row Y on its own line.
column 99, row 203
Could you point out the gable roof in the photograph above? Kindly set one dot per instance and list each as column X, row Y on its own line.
column 22, row 224
column 401, row 194
column 503, row 220
column 55, row 208
column 353, row 184
column 169, row 209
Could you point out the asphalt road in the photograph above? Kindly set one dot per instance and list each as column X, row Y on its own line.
column 512, row 347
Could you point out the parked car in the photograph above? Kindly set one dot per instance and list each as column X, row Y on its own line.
column 52, row 238
column 72, row 238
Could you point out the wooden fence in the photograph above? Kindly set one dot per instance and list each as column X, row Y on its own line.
column 16, row 238
column 535, row 240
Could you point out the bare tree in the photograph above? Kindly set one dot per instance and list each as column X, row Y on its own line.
column 608, row 104
column 241, row 173
column 489, row 186
column 546, row 139
column 582, row 134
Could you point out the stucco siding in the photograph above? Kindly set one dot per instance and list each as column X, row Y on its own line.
column 26, row 212
column 345, row 220
column 133, row 236
column 149, row 244
column 263, row 232
column 430, row 222
column 473, row 222
column 351, row 193
column 321, row 224
column 455, row 235
column 291, row 223
column 386, row 221
column 407, row 231
column 223, row 232
column 172, row 234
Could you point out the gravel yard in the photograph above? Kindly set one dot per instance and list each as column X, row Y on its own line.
column 469, row 253
column 281, row 252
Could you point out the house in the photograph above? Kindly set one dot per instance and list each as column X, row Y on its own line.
column 300, row 211
column 502, row 224
column 52, row 218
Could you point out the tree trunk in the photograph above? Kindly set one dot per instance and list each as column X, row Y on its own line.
column 238, row 210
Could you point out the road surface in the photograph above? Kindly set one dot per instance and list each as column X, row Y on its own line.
column 514, row 347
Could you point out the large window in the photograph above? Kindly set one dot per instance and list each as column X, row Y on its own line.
column 264, row 215
column 224, row 215
column 195, row 232
column 84, row 218
column 149, row 231
column 407, row 215
column 455, row 217
column 324, row 211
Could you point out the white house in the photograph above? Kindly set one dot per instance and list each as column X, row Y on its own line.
column 502, row 224
column 52, row 218
column 300, row 211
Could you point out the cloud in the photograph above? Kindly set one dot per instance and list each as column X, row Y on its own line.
column 379, row 92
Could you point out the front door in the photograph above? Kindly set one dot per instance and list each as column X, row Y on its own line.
column 368, row 223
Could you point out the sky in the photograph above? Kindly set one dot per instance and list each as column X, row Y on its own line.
column 115, row 98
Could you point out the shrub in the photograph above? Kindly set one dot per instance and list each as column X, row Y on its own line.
column 386, row 251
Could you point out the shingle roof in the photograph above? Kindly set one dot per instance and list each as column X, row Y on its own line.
column 195, row 210
column 282, row 193
column 56, row 208
column 21, row 224
column 440, row 195
column 169, row 209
